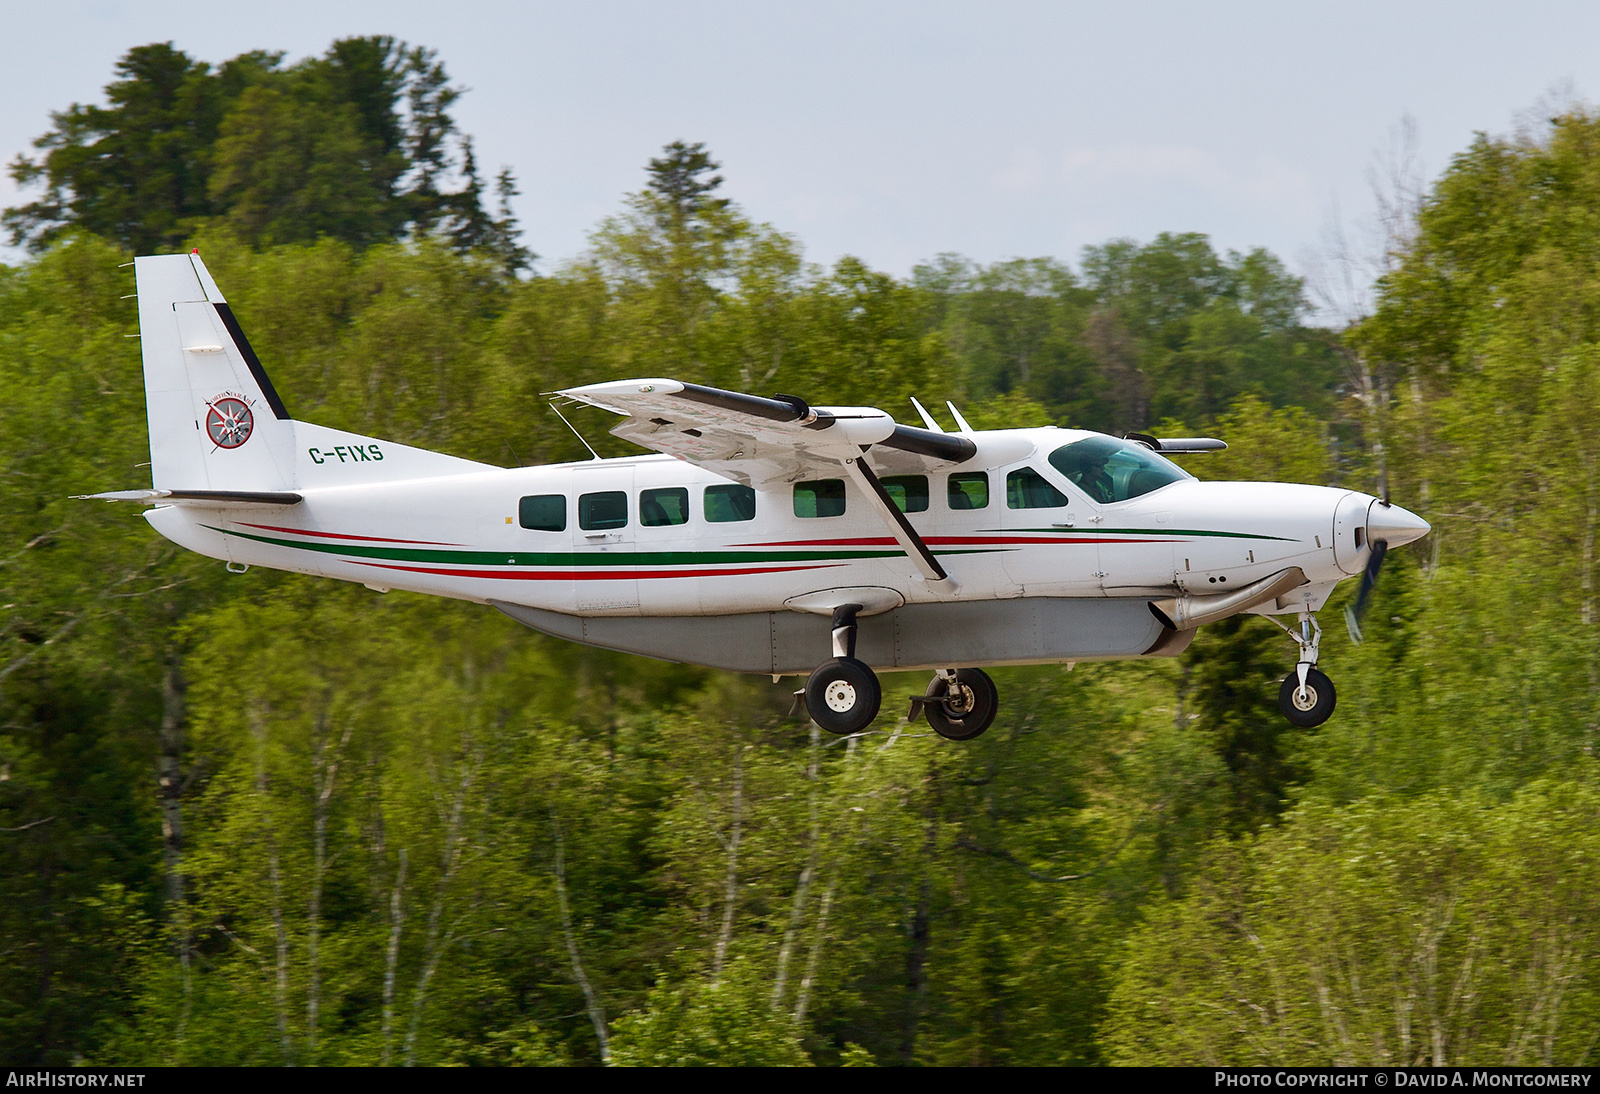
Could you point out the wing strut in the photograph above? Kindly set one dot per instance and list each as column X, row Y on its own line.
column 901, row 528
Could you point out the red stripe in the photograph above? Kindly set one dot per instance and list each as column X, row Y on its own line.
column 864, row 541
column 949, row 541
column 590, row 575
column 338, row 535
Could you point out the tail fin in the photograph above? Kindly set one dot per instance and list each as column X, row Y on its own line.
column 216, row 424
column 215, row 421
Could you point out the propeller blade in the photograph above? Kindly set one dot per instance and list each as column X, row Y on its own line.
column 1354, row 616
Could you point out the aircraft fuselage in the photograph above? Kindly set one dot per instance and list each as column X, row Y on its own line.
column 639, row 537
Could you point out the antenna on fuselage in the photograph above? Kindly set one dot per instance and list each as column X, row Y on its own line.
column 926, row 417
column 575, row 432
column 961, row 423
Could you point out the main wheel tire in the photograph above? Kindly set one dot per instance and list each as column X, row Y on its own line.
column 1317, row 705
column 842, row 696
column 967, row 713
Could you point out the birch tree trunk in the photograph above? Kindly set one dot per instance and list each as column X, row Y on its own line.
column 324, row 773
column 816, row 951
column 169, row 779
column 730, row 892
column 597, row 1014
column 397, row 918
column 803, row 888
column 280, row 991
column 437, row 937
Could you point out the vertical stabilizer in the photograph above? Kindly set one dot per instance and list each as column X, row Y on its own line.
column 215, row 421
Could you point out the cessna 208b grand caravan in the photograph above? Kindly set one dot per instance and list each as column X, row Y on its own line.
column 764, row 535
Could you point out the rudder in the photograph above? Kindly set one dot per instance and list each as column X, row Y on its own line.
column 216, row 423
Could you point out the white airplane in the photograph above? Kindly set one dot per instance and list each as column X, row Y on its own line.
column 764, row 535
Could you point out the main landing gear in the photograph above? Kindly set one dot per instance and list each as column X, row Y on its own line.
column 1306, row 696
column 843, row 695
column 960, row 703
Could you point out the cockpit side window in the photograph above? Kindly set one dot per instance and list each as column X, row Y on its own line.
column 1027, row 489
column 1109, row 470
column 968, row 490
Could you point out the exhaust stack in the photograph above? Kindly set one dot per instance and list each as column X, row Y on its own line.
column 1183, row 613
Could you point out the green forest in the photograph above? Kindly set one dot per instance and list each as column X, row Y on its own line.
column 268, row 819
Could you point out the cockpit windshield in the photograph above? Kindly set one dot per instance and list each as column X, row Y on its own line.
column 1110, row 470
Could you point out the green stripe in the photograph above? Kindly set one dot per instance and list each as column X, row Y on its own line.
column 576, row 558
column 1149, row 532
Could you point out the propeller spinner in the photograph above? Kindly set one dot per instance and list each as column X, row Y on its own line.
column 1387, row 526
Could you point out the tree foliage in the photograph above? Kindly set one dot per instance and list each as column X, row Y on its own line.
column 357, row 145
column 1167, row 329
column 268, row 819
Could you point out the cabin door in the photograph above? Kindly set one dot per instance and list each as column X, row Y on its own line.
column 603, row 542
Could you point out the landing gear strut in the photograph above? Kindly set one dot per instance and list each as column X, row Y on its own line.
column 1306, row 696
column 843, row 695
column 960, row 703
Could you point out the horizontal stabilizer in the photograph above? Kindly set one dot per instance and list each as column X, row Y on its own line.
column 208, row 498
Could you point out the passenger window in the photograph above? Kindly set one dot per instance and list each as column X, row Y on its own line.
column 968, row 490
column 908, row 492
column 543, row 513
column 1027, row 489
column 823, row 498
column 607, row 509
column 729, row 502
column 660, row 508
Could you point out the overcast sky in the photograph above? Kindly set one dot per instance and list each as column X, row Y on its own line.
column 895, row 131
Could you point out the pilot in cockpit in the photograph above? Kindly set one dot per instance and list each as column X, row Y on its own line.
column 1093, row 479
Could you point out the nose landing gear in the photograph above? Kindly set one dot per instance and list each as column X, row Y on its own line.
column 1309, row 703
column 1306, row 696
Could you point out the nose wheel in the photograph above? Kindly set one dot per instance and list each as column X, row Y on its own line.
column 1309, row 704
column 1306, row 696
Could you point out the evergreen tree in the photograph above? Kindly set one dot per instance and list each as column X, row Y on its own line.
column 358, row 145
column 678, row 181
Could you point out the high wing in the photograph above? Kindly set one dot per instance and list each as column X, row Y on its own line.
column 759, row 441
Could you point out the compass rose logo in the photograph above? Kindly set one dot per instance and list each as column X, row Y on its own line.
column 229, row 422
